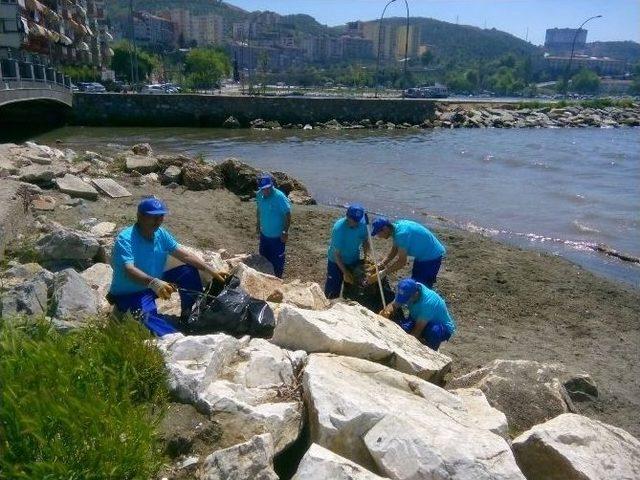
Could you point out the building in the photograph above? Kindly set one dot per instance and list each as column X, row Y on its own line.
column 201, row 30
column 153, row 31
column 384, row 38
column 356, row 48
column 60, row 31
column 401, row 44
column 601, row 65
column 560, row 40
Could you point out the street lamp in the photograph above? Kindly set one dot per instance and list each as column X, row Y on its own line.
column 406, row 43
column 573, row 44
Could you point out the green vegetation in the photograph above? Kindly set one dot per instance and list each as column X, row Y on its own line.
column 81, row 73
column 121, row 61
column 585, row 81
column 205, row 67
column 83, row 405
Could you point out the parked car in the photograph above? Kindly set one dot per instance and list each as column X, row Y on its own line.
column 91, row 87
column 155, row 89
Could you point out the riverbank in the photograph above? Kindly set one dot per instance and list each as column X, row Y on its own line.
column 509, row 303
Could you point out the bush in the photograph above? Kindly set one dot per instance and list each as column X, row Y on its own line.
column 80, row 406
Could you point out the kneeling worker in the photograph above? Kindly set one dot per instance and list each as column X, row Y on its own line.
column 410, row 239
column 429, row 320
column 347, row 235
column 138, row 260
column 273, row 218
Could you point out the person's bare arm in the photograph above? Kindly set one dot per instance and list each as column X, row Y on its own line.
column 417, row 329
column 400, row 262
column 284, row 236
column 347, row 275
column 392, row 254
column 137, row 275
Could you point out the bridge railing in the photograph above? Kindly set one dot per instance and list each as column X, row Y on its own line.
column 17, row 74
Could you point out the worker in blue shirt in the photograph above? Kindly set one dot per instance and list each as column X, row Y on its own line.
column 410, row 239
column 349, row 233
column 139, row 256
column 429, row 320
column 273, row 216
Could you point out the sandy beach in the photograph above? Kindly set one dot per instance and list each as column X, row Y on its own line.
column 509, row 303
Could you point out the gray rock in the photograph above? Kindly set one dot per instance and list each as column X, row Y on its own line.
column 110, row 187
column 41, row 175
column 63, row 245
column 581, row 387
column 142, row 164
column 231, row 122
column 142, row 149
column 257, row 123
column 250, row 460
column 172, row 174
column 27, row 298
column 527, row 392
column 322, row 464
column 72, row 298
column 76, row 187
column 273, row 125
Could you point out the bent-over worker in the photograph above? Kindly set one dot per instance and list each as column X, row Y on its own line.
column 429, row 319
column 348, row 234
column 273, row 217
column 138, row 260
column 410, row 239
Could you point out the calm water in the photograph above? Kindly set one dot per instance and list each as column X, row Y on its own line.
column 558, row 190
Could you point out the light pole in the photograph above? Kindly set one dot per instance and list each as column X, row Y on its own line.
column 573, row 44
column 379, row 41
column 406, row 42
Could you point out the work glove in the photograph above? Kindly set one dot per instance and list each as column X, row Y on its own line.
column 348, row 277
column 161, row 288
column 387, row 311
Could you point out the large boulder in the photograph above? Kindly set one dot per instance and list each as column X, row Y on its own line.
column 250, row 386
column 239, row 177
column 354, row 331
column 142, row 149
column 26, row 298
column 269, row 288
column 67, row 246
column 76, row 187
column 142, row 164
column 573, row 447
column 99, row 277
column 249, row 460
column 199, row 176
column 398, row 425
column 322, row 464
column 527, row 392
column 42, row 175
column 72, row 298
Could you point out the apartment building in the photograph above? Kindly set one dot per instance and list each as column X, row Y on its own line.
column 63, row 31
column 204, row 29
column 391, row 39
column 153, row 31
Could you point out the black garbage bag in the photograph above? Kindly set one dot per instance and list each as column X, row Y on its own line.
column 232, row 311
column 261, row 319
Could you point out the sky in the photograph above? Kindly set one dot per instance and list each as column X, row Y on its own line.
column 527, row 19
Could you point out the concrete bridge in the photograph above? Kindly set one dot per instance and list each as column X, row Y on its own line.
column 32, row 94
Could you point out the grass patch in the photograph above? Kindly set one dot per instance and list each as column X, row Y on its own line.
column 84, row 405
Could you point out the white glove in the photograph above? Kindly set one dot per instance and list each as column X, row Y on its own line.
column 161, row 288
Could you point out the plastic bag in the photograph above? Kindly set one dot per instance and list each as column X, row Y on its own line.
column 232, row 311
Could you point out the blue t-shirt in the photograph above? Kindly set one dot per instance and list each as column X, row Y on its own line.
column 430, row 307
column 273, row 212
column 150, row 256
column 347, row 240
column 417, row 240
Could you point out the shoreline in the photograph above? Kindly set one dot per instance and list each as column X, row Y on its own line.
column 508, row 302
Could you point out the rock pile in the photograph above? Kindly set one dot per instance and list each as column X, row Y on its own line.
column 485, row 117
column 89, row 175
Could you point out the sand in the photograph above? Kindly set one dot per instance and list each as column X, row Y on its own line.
column 508, row 303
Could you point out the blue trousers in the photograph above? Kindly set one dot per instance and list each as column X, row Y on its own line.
column 143, row 303
column 334, row 279
column 426, row 271
column 272, row 248
column 432, row 335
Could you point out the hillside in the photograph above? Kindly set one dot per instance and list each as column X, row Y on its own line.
column 628, row 51
column 462, row 44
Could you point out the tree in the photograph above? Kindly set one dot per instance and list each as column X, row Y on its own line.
column 426, row 58
column 121, row 62
column 585, row 81
column 204, row 67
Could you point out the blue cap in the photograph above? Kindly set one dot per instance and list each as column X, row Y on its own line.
column 152, row 206
column 378, row 224
column 265, row 181
column 406, row 289
column 355, row 212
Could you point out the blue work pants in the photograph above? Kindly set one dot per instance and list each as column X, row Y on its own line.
column 272, row 248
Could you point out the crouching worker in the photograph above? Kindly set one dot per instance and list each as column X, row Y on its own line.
column 347, row 235
column 138, row 260
column 429, row 320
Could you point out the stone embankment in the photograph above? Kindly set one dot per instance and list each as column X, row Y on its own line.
column 458, row 116
column 337, row 392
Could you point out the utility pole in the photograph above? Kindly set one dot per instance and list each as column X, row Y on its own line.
column 131, row 37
